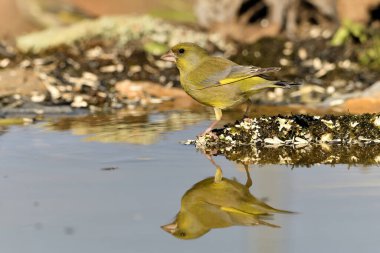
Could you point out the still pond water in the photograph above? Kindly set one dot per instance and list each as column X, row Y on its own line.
column 95, row 184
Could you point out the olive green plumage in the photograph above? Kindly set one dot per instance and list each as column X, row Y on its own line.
column 210, row 204
column 216, row 81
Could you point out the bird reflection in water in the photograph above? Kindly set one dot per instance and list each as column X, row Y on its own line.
column 218, row 202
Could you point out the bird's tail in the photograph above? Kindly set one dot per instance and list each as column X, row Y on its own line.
column 264, row 208
column 285, row 84
column 274, row 210
column 260, row 83
column 258, row 207
column 261, row 222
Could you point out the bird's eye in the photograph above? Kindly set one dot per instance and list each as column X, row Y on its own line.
column 182, row 234
column 181, row 50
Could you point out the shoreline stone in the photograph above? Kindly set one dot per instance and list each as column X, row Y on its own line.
column 286, row 139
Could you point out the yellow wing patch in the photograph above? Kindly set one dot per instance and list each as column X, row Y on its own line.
column 234, row 210
column 233, row 80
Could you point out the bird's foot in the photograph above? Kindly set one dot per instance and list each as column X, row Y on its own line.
column 209, row 129
column 218, row 175
column 209, row 132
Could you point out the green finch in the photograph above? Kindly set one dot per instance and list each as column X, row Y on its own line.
column 218, row 82
column 221, row 203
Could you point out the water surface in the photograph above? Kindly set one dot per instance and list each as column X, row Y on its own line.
column 65, row 190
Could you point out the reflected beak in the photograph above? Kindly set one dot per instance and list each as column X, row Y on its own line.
column 170, row 228
column 169, row 56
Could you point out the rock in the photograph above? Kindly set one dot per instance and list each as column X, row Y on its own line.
column 361, row 105
column 347, row 139
column 79, row 102
column 37, row 97
column 295, row 129
column 144, row 90
column 20, row 81
column 367, row 101
column 130, row 90
column 372, row 91
column 302, row 155
column 122, row 28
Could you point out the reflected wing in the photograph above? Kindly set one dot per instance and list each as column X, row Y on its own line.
column 240, row 217
column 233, row 210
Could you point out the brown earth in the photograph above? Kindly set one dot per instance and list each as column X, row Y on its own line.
column 14, row 22
column 20, row 81
column 112, row 7
column 362, row 105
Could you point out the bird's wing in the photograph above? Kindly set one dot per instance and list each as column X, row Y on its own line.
column 236, row 210
column 234, row 73
column 239, row 73
column 243, row 218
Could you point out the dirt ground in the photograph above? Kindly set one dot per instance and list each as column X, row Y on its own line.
column 14, row 22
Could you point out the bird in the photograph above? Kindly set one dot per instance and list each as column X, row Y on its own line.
column 222, row 203
column 218, row 82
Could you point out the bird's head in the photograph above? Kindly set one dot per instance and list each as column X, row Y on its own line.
column 185, row 227
column 184, row 233
column 187, row 56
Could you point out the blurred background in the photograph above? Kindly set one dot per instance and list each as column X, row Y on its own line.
column 331, row 46
column 90, row 120
column 21, row 16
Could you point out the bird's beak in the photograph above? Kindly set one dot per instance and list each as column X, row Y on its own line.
column 169, row 56
column 170, row 228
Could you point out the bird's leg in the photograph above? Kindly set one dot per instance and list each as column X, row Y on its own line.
column 218, row 177
column 210, row 127
column 248, row 184
column 249, row 104
column 218, row 116
column 248, row 109
column 246, row 113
